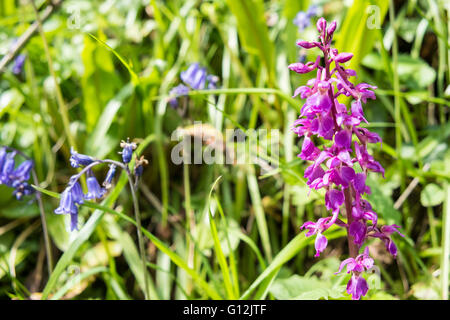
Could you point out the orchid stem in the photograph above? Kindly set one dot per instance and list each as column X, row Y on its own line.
column 352, row 246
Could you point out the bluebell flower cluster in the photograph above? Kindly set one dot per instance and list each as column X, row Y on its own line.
column 73, row 196
column 303, row 19
column 195, row 77
column 13, row 177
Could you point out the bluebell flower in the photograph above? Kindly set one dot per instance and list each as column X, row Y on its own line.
column 139, row 166
column 18, row 64
column 2, row 158
column 109, row 176
column 67, row 204
column 303, row 19
column 22, row 173
column 22, row 189
column 94, row 189
column 212, row 81
column 312, row 11
column 180, row 90
column 194, row 76
column 77, row 193
column 74, row 220
column 127, row 151
column 77, row 159
column 8, row 169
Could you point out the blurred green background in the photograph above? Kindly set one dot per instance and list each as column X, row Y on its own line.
column 115, row 62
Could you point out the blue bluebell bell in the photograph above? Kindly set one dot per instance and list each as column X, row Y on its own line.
column 109, row 176
column 139, row 166
column 127, row 151
column 180, row 90
column 15, row 178
column 22, row 189
column 194, row 76
column 77, row 193
column 22, row 173
column 94, row 189
column 67, row 204
column 3, row 154
column 74, row 220
column 8, row 169
column 313, row 11
column 303, row 19
column 18, row 64
column 212, row 81
column 77, row 159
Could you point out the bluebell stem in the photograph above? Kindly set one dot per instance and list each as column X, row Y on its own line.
column 196, row 78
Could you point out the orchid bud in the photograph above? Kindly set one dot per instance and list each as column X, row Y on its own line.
column 343, row 57
column 299, row 67
column 306, row 44
column 331, row 28
column 321, row 24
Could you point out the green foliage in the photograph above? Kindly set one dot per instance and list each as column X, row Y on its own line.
column 236, row 237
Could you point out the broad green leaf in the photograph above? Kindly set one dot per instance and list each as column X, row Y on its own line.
column 432, row 195
column 414, row 72
column 287, row 253
column 302, row 288
column 98, row 82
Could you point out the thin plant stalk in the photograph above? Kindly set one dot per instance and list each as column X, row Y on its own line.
column 137, row 216
column 48, row 249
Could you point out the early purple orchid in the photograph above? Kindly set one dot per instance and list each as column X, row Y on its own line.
column 342, row 168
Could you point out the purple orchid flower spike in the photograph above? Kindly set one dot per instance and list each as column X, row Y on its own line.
column 342, row 168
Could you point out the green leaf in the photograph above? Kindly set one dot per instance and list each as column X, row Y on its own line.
column 432, row 195
column 414, row 72
column 253, row 30
column 98, row 82
column 302, row 288
column 288, row 252
column 131, row 255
